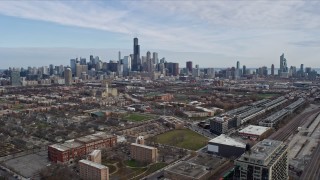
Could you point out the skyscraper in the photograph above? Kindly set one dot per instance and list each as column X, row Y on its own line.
column 155, row 58
column 149, row 67
column 301, row 68
column 238, row 65
column 189, row 66
column 283, row 64
column 126, row 65
column 272, row 70
column 119, row 56
column 15, row 77
column 136, row 56
column 68, row 77
column 244, row 70
column 73, row 64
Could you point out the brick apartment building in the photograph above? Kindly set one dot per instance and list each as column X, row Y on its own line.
column 69, row 150
column 143, row 153
column 93, row 171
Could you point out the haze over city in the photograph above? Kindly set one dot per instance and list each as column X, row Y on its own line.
column 209, row 33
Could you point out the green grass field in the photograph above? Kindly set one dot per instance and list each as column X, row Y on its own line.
column 134, row 164
column 183, row 138
column 137, row 117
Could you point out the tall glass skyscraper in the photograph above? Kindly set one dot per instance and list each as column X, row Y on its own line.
column 136, row 56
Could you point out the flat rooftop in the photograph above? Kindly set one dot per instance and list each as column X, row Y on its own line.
column 59, row 147
column 143, row 146
column 208, row 160
column 263, row 151
column 93, row 164
column 102, row 135
column 188, row 169
column 72, row 144
column 254, row 130
column 226, row 140
column 88, row 139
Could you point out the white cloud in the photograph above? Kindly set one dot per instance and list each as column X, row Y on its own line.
column 247, row 29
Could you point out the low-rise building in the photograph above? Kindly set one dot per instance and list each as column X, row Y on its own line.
column 226, row 147
column 255, row 132
column 68, row 151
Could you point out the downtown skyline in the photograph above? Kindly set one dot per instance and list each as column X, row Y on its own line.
column 40, row 33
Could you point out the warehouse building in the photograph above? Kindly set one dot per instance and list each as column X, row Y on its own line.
column 226, row 147
column 255, row 132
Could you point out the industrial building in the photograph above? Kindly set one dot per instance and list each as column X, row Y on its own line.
column 234, row 118
column 69, row 150
column 143, row 153
column 266, row 160
column 226, row 147
column 89, row 170
column 255, row 132
column 274, row 119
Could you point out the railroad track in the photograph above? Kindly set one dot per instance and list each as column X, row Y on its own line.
column 285, row 132
column 312, row 171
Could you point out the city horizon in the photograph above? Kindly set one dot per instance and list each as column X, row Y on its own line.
column 213, row 39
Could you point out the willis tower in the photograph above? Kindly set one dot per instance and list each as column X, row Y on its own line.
column 136, row 56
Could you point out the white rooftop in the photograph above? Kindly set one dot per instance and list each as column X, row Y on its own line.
column 144, row 146
column 93, row 164
column 226, row 140
column 254, row 130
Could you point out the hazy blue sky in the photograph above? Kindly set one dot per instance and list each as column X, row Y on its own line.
column 210, row 33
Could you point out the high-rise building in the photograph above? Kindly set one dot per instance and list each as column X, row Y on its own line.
column 83, row 61
column 93, row 171
column 149, row 63
column 173, row 68
column 264, row 71
column 283, row 64
column 119, row 56
column 266, row 160
column 81, row 69
column 51, row 69
column 73, row 64
column 301, row 68
column 155, row 59
column 143, row 153
column 272, row 70
column 244, row 70
column 15, row 77
column 68, row 77
column 238, row 64
column 126, row 65
column 136, row 64
column 189, row 66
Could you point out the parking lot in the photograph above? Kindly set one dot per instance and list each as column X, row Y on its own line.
column 28, row 166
